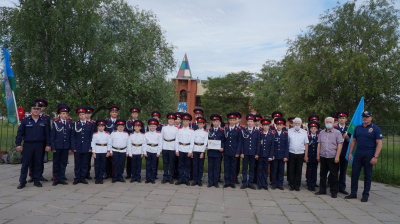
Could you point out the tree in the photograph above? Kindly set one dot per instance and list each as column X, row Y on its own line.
column 268, row 89
column 89, row 53
column 352, row 52
column 227, row 94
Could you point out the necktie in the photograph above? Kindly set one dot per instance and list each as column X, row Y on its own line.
column 251, row 131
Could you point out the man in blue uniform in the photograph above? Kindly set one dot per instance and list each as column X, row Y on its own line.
column 110, row 127
column 89, row 113
column 214, row 156
column 45, row 155
column 81, row 138
column 312, row 165
column 250, row 145
column 129, row 127
column 265, row 154
column 60, row 138
column 368, row 137
column 233, row 144
column 281, row 153
column 34, row 131
column 238, row 125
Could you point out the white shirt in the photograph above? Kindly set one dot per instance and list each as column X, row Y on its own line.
column 279, row 132
column 297, row 139
column 100, row 138
column 168, row 132
column 152, row 137
column 83, row 122
column 136, row 139
column 184, row 135
column 118, row 140
column 199, row 136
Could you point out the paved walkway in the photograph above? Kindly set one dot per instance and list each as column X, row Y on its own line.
column 159, row 203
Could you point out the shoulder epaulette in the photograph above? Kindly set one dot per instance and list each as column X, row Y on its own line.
column 347, row 126
column 191, row 129
column 220, row 128
column 115, row 131
column 226, row 128
column 165, row 125
column 336, row 126
column 158, row 131
column 141, row 133
column 205, row 130
column 147, row 131
column 125, row 132
column 180, row 127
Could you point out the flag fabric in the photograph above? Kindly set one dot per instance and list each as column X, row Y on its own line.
column 355, row 121
column 8, row 71
column 7, row 95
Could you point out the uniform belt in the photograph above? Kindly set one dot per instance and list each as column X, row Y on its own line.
column 184, row 144
column 119, row 148
column 101, row 144
column 152, row 145
column 169, row 140
column 137, row 145
column 198, row 144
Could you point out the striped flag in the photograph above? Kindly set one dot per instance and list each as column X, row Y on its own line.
column 355, row 120
column 8, row 88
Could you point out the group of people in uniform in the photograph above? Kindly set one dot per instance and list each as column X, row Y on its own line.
column 263, row 147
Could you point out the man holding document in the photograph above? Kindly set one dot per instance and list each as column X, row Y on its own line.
column 215, row 148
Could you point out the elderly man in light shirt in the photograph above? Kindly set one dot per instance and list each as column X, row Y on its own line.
column 328, row 154
column 298, row 151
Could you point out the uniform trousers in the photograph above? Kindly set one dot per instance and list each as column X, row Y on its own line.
column 32, row 155
column 99, row 165
column 169, row 164
column 262, row 172
column 359, row 161
column 151, row 163
column 248, row 164
column 278, row 171
column 198, row 167
column 60, row 158
column 81, row 160
column 136, row 167
column 229, row 169
column 312, row 174
column 214, row 167
column 184, row 166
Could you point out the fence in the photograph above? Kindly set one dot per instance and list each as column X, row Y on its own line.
column 7, row 134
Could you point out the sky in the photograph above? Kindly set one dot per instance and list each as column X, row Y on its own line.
column 223, row 36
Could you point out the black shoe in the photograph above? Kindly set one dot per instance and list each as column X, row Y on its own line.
column 313, row 189
column 233, row 186
column 216, row 186
column 266, row 188
column 350, row 196
column 194, row 183
column 132, row 181
column 291, row 189
column 319, row 193
column 75, row 182
column 84, row 182
column 171, row 182
column 63, row 183
column 243, row 187
column 20, row 186
column 106, row 176
column 153, row 181
column 128, row 176
column 200, row 184
column 309, row 188
column 147, row 181
column 209, row 185
column 252, row 187
column 334, row 195
column 30, row 180
column 297, row 189
column 316, row 185
column 96, row 182
column 37, row 184
column 237, row 181
column 43, row 179
column 344, row 192
column 259, row 188
column 273, row 187
column 364, row 199
column 88, row 177
column 226, row 185
column 281, row 188
column 122, row 180
column 54, row 183
column 187, row 183
column 179, row 182
column 113, row 181
column 139, row 181
column 164, row 181
column 101, row 181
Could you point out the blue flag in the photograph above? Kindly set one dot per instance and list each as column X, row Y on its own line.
column 355, row 121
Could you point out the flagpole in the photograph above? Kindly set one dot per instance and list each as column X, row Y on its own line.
column 16, row 109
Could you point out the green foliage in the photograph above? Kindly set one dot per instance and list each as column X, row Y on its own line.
column 227, row 94
column 89, row 53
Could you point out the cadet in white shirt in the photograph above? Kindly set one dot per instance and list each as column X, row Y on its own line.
column 184, row 149
column 117, row 145
column 100, row 150
column 136, row 150
column 199, row 142
column 168, row 134
column 152, row 149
